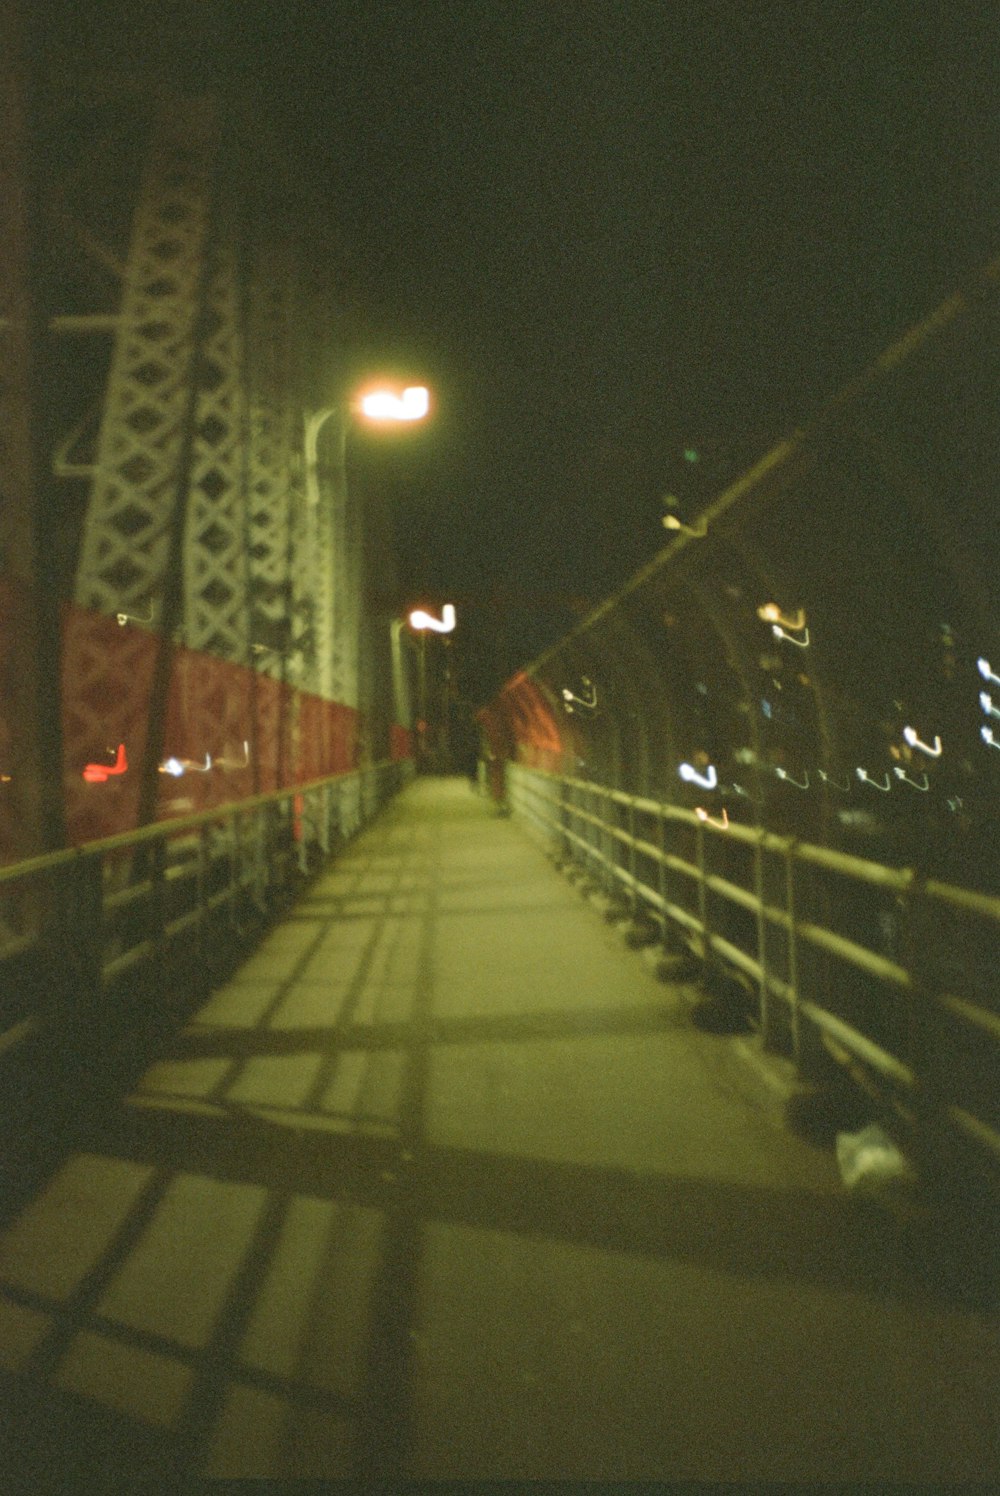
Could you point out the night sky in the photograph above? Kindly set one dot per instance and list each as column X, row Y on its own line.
column 604, row 232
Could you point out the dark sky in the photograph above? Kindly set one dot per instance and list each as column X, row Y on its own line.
column 605, row 231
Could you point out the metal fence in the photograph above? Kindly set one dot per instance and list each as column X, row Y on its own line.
column 888, row 973
column 122, row 931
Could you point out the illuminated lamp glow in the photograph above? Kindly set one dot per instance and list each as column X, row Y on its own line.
column 671, row 522
column 703, row 815
column 901, row 774
column 100, row 773
column 780, row 633
column 771, row 613
column 983, row 666
column 910, row 734
column 383, row 405
column 690, row 775
column 419, row 619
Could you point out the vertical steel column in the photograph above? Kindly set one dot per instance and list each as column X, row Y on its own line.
column 706, row 942
column 132, row 544
column 30, row 792
column 792, row 964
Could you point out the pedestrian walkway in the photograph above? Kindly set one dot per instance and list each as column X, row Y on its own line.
column 443, row 1184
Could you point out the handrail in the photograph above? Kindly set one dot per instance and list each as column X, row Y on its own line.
column 116, row 929
column 156, row 830
column 575, row 812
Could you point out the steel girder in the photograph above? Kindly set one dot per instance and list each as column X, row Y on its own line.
column 30, row 816
column 198, row 530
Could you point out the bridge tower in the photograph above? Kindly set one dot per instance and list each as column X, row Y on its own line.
column 208, row 594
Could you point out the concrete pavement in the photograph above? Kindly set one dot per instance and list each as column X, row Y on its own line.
column 443, row 1184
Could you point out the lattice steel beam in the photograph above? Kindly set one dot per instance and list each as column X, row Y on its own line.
column 30, row 806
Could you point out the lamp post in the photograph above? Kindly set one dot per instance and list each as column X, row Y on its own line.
column 376, row 406
column 338, row 531
column 424, row 623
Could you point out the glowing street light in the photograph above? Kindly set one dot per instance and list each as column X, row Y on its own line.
column 424, row 623
column 419, row 619
column 377, row 405
column 383, row 405
column 671, row 522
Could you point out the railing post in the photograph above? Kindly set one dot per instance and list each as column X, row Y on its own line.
column 792, row 964
column 706, row 934
column 760, row 890
column 158, row 915
column 632, row 891
column 925, row 1028
column 204, row 862
column 84, row 922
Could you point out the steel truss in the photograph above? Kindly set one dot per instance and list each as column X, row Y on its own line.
column 197, row 537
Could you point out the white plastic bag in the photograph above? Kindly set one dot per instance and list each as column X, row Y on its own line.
column 872, row 1167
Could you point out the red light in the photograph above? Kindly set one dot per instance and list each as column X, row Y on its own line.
column 100, row 773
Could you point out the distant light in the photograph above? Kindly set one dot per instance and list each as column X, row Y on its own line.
column 985, row 671
column 771, row 613
column 383, row 405
column 690, row 775
column 901, row 773
column 932, row 750
column 101, row 773
column 589, row 700
column 780, row 633
column 671, row 522
column 690, row 455
column 703, row 815
column 419, row 619
column 866, row 778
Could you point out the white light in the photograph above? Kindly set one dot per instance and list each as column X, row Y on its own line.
column 771, row 613
column 829, row 779
column 867, row 779
column 779, row 633
column 986, row 733
column 419, row 619
column 689, row 773
column 986, row 702
column 703, row 815
column 589, row 701
column 799, row 784
column 910, row 734
column 985, row 671
column 671, row 522
column 383, row 405
column 902, row 774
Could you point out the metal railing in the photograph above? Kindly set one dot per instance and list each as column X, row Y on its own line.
column 841, row 956
column 87, row 932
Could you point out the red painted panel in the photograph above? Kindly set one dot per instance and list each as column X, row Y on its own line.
column 400, row 742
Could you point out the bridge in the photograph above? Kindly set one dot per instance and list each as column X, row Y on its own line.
column 364, row 1119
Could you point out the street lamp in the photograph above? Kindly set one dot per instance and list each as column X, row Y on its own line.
column 376, row 405
column 424, row 623
column 671, row 522
column 382, row 405
column 335, row 527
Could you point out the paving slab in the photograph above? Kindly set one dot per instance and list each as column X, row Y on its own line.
column 442, row 1184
